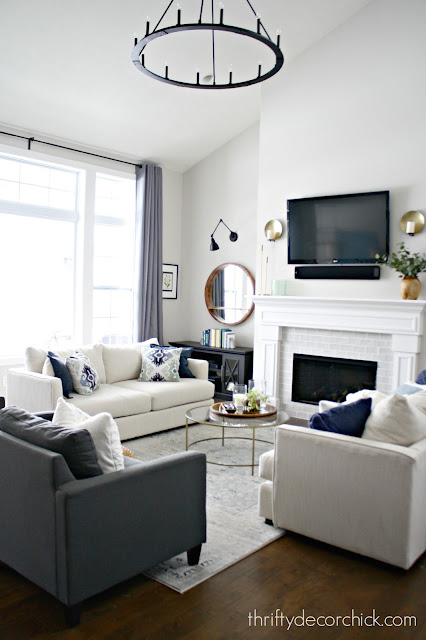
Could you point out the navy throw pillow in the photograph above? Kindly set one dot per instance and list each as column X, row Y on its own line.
column 184, row 371
column 61, row 371
column 421, row 378
column 75, row 445
column 347, row 419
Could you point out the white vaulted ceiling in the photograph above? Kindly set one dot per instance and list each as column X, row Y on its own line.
column 66, row 73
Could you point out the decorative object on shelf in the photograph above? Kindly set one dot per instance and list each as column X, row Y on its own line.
column 273, row 230
column 215, row 36
column 412, row 222
column 169, row 281
column 278, row 287
column 408, row 265
column 228, row 293
column 233, row 236
column 264, row 259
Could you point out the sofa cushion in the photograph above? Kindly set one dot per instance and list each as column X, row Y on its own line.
column 348, row 419
column 266, row 465
column 118, row 401
column 124, row 362
column 171, row 394
column 92, row 351
column 396, row 420
column 75, row 445
column 61, row 371
column 184, row 371
column 34, row 359
column 421, row 378
column 85, row 379
column 160, row 364
column 101, row 427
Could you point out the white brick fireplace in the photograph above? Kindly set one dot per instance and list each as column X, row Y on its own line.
column 389, row 332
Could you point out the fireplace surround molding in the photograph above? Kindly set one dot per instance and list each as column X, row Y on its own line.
column 403, row 320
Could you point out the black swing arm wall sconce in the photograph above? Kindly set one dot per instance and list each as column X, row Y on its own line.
column 233, row 236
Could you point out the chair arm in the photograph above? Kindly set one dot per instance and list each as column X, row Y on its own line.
column 32, row 391
column 112, row 527
column 199, row 368
column 361, row 495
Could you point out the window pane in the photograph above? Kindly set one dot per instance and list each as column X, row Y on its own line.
column 34, row 174
column 9, row 190
column 9, row 169
column 115, row 198
column 37, row 287
column 34, row 195
column 61, row 199
column 64, row 180
column 41, row 185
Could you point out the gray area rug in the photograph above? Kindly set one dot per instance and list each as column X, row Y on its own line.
column 234, row 528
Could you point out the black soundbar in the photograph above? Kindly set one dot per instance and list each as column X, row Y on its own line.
column 338, row 272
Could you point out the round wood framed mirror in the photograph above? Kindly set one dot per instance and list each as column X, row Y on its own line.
column 228, row 293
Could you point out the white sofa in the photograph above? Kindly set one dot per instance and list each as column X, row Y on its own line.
column 365, row 496
column 139, row 408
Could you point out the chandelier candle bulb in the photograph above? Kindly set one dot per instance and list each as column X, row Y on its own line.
column 147, row 27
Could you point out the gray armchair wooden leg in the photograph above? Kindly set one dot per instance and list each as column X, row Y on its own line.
column 194, row 555
column 72, row 615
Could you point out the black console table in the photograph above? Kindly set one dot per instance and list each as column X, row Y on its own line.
column 226, row 366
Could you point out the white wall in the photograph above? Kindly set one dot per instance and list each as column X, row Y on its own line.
column 224, row 185
column 349, row 116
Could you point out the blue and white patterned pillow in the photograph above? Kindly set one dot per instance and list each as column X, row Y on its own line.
column 84, row 376
column 160, row 365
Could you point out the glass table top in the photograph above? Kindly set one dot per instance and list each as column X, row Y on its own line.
column 203, row 415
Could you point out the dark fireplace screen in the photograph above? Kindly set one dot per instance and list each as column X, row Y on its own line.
column 318, row 378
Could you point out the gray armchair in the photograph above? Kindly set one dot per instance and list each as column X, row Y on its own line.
column 75, row 538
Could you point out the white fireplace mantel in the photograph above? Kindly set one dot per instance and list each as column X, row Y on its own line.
column 401, row 319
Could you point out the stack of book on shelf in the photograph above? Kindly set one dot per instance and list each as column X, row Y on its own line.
column 222, row 338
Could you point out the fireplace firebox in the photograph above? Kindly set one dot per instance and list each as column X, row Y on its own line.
column 318, row 378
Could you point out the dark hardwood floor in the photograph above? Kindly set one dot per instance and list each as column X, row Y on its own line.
column 290, row 575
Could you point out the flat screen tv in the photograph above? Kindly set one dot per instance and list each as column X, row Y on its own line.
column 344, row 229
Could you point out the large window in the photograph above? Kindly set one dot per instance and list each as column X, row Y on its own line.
column 48, row 216
column 113, row 259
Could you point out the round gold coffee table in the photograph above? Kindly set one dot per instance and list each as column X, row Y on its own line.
column 203, row 416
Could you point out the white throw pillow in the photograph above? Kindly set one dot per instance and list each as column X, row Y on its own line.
column 376, row 396
column 395, row 420
column 101, row 427
column 418, row 400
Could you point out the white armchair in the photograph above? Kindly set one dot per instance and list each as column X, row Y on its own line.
column 365, row 496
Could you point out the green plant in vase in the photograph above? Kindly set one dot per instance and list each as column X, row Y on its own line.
column 408, row 265
column 253, row 400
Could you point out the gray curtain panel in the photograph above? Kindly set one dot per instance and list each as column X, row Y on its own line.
column 148, row 303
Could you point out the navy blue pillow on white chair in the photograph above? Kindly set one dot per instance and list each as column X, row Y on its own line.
column 347, row 419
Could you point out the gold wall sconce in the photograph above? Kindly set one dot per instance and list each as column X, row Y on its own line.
column 273, row 230
column 412, row 222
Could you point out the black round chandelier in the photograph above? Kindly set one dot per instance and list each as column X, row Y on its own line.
column 141, row 58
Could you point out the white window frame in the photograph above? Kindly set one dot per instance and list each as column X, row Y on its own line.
column 84, row 227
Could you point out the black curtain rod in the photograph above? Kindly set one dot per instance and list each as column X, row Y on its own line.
column 58, row 146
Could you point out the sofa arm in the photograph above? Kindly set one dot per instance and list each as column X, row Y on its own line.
column 112, row 527
column 32, row 391
column 357, row 494
column 199, row 368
